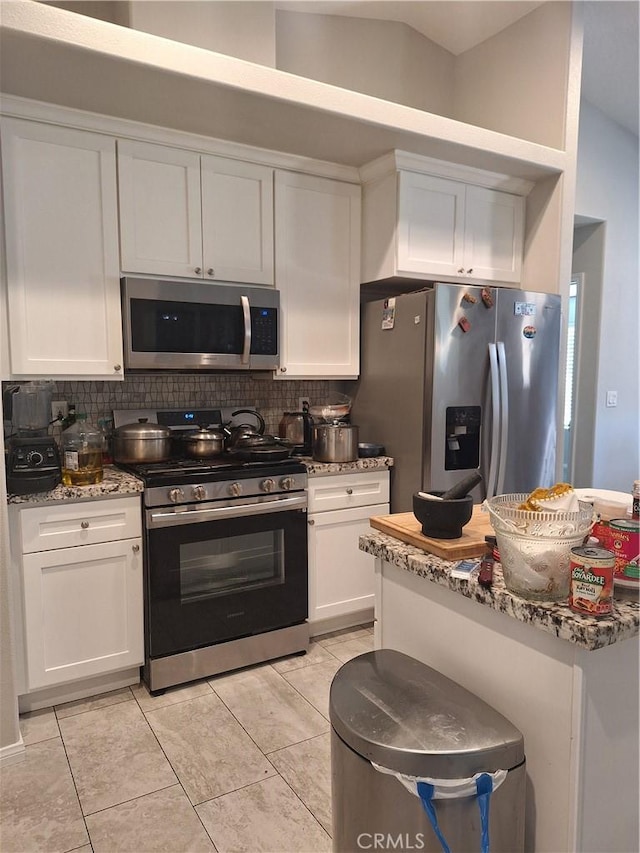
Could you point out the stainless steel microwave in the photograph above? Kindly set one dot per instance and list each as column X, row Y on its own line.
column 174, row 324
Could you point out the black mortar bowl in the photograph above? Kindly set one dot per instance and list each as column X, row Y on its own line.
column 442, row 519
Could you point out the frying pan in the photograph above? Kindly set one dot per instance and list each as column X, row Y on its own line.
column 272, row 453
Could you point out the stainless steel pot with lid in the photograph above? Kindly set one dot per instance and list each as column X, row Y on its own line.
column 141, row 442
column 335, row 442
column 204, row 443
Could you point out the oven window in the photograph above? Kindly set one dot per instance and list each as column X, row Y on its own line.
column 231, row 564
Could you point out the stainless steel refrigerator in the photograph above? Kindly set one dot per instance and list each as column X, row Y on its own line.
column 455, row 379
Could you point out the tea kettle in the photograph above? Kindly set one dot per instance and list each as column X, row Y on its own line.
column 295, row 427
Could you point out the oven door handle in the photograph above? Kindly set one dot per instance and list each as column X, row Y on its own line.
column 193, row 516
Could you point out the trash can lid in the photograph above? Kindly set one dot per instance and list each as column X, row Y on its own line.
column 397, row 712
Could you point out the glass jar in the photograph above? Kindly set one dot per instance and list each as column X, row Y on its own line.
column 82, row 454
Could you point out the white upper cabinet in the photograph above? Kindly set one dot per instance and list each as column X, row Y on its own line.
column 160, row 209
column 190, row 215
column 429, row 226
column 318, row 274
column 62, row 252
column 237, row 220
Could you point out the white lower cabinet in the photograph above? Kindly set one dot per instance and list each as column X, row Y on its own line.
column 341, row 577
column 82, row 605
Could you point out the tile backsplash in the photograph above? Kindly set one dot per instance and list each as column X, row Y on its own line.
column 261, row 391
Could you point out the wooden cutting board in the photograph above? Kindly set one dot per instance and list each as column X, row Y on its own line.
column 406, row 527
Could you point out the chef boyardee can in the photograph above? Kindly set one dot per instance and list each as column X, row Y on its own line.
column 591, row 591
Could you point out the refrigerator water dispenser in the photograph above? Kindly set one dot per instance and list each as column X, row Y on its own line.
column 462, row 438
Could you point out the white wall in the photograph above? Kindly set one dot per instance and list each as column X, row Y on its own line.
column 607, row 190
column 245, row 30
column 516, row 81
column 385, row 59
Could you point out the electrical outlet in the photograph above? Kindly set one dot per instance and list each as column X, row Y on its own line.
column 611, row 399
column 303, row 403
column 59, row 410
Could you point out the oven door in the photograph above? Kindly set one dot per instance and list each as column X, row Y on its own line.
column 224, row 570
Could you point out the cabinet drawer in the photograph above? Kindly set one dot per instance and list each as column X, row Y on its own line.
column 44, row 528
column 342, row 491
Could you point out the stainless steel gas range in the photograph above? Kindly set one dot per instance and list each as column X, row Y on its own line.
column 225, row 561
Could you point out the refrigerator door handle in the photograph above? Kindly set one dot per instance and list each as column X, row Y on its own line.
column 495, row 422
column 504, row 416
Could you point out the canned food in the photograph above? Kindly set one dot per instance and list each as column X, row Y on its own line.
column 625, row 544
column 591, row 590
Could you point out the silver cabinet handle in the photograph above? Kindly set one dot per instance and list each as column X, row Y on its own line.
column 135, row 548
column 283, row 370
column 198, row 270
column 84, row 524
column 461, row 270
column 349, row 491
column 117, row 367
column 210, row 271
column 470, row 270
column 312, row 521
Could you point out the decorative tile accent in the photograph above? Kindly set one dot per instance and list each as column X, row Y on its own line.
column 270, row 397
column 552, row 617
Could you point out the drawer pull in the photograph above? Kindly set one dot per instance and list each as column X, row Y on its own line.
column 311, row 521
column 84, row 524
column 349, row 491
column 135, row 548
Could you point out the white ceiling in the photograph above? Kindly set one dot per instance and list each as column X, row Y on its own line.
column 610, row 58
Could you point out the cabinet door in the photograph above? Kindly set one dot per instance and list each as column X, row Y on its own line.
column 83, row 611
column 237, row 221
column 430, row 233
column 494, row 233
column 341, row 577
column 62, row 252
column 160, row 210
column 317, row 224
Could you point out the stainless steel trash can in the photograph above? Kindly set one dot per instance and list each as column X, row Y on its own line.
column 400, row 714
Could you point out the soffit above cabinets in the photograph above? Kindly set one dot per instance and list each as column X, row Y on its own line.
column 59, row 57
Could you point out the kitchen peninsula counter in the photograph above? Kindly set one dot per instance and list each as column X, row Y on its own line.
column 115, row 483
column 554, row 618
column 568, row 682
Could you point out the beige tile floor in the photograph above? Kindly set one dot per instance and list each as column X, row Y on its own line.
column 239, row 762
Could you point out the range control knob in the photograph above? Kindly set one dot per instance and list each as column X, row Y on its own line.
column 34, row 457
column 199, row 493
column 268, row 485
column 235, row 489
column 176, row 495
column 287, row 483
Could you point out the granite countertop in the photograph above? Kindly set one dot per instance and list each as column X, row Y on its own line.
column 553, row 618
column 115, row 483
column 372, row 463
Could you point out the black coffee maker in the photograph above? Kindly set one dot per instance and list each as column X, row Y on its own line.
column 32, row 456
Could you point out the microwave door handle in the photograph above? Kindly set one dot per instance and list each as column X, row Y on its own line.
column 246, row 313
